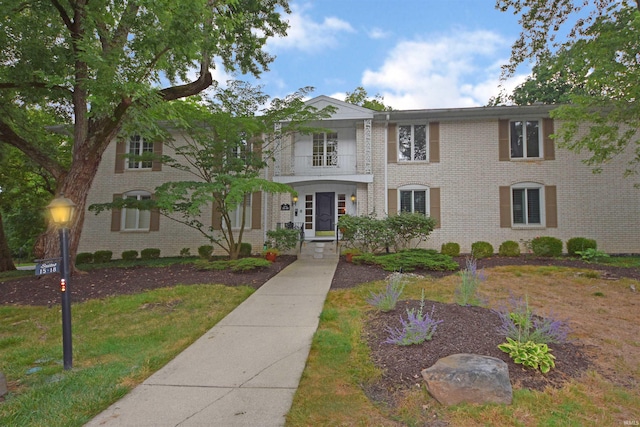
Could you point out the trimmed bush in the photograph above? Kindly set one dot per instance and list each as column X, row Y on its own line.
column 451, row 249
column 185, row 252
column 129, row 255
column 205, row 251
column 481, row 250
column 245, row 249
column 283, row 239
column 409, row 260
column 579, row 244
column 84, row 258
column 509, row 248
column 150, row 253
column 546, row 246
column 248, row 264
column 102, row 256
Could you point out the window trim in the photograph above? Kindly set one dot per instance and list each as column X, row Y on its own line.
column 541, row 154
column 123, row 214
column 328, row 159
column 400, row 158
column 542, row 205
column 413, row 188
column 140, row 164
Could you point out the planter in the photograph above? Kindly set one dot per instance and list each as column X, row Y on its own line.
column 349, row 257
column 271, row 256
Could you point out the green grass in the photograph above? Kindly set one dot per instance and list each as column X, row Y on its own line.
column 117, row 343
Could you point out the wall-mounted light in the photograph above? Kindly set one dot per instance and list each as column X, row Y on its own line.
column 295, row 200
column 353, row 198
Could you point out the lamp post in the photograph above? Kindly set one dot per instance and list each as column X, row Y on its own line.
column 62, row 210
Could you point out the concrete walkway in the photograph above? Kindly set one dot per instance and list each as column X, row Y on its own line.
column 246, row 369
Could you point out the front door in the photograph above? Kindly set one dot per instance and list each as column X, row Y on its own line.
column 325, row 212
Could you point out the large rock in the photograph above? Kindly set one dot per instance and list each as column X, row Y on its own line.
column 469, row 378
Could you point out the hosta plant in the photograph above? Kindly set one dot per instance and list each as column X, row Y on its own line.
column 530, row 354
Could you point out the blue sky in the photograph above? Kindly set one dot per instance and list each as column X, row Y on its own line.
column 415, row 53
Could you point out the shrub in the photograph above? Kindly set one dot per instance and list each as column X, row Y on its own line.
column 245, row 249
column 467, row 292
column 366, row 233
column 247, row 264
column 530, row 354
column 408, row 229
column 102, row 256
column 150, row 253
column 417, row 329
column 409, row 260
column 283, row 239
column 591, row 254
column 205, row 251
column 519, row 323
column 185, row 252
column 129, row 255
column 203, row 264
column 84, row 258
column 509, row 248
column 481, row 250
column 451, row 249
column 387, row 300
column 546, row 246
column 576, row 244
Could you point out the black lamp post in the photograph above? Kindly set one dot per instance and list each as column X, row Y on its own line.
column 62, row 210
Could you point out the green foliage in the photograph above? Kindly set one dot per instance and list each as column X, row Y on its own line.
column 185, row 252
column 481, row 249
column 530, row 354
column 466, row 292
column 84, row 258
column 204, row 264
column 129, row 255
column 509, row 248
column 546, row 246
column 248, row 264
column 591, row 254
column 150, row 253
column 366, row 233
column 387, row 300
column 360, row 97
column 102, row 256
column 205, row 251
column 283, row 239
column 245, row 249
column 576, row 244
column 409, row 260
column 451, row 248
column 409, row 229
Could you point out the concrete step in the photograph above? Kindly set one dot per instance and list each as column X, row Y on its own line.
column 318, row 250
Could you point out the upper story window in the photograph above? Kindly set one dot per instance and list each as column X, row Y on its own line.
column 413, row 200
column 136, row 219
column 236, row 215
column 325, row 149
column 526, row 204
column 525, row 139
column 138, row 146
column 412, row 142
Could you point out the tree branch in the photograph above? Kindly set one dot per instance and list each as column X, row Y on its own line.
column 63, row 14
column 176, row 92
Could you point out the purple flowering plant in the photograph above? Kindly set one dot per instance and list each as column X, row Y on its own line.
column 416, row 329
column 387, row 300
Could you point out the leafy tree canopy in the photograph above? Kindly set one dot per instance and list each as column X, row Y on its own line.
column 360, row 97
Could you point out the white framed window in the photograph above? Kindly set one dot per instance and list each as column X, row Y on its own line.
column 525, row 139
column 412, row 142
column 413, row 199
column 138, row 146
column 236, row 215
column 527, row 204
column 136, row 219
column 325, row 149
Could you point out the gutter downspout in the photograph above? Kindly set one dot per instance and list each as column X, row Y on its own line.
column 386, row 165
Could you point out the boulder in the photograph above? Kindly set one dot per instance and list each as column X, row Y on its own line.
column 469, row 378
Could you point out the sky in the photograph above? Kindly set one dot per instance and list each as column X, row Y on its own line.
column 416, row 54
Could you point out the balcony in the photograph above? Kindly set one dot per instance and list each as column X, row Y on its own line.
column 320, row 165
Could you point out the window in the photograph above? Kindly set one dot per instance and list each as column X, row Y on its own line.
column 136, row 219
column 526, row 202
column 236, row 215
column 139, row 147
column 325, row 149
column 525, row 139
column 413, row 201
column 412, row 142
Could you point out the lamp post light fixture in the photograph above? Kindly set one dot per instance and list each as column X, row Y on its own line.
column 62, row 210
column 353, row 198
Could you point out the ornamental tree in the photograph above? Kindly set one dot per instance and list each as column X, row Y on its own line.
column 101, row 64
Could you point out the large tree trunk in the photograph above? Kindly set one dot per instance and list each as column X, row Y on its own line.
column 6, row 263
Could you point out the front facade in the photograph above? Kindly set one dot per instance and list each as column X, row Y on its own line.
column 489, row 173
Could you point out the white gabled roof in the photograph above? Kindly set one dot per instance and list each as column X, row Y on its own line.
column 344, row 110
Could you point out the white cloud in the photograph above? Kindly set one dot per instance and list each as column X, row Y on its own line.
column 378, row 33
column 308, row 35
column 444, row 72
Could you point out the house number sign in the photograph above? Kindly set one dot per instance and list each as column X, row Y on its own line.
column 47, row 266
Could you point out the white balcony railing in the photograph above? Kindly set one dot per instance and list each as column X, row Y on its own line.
column 321, row 165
